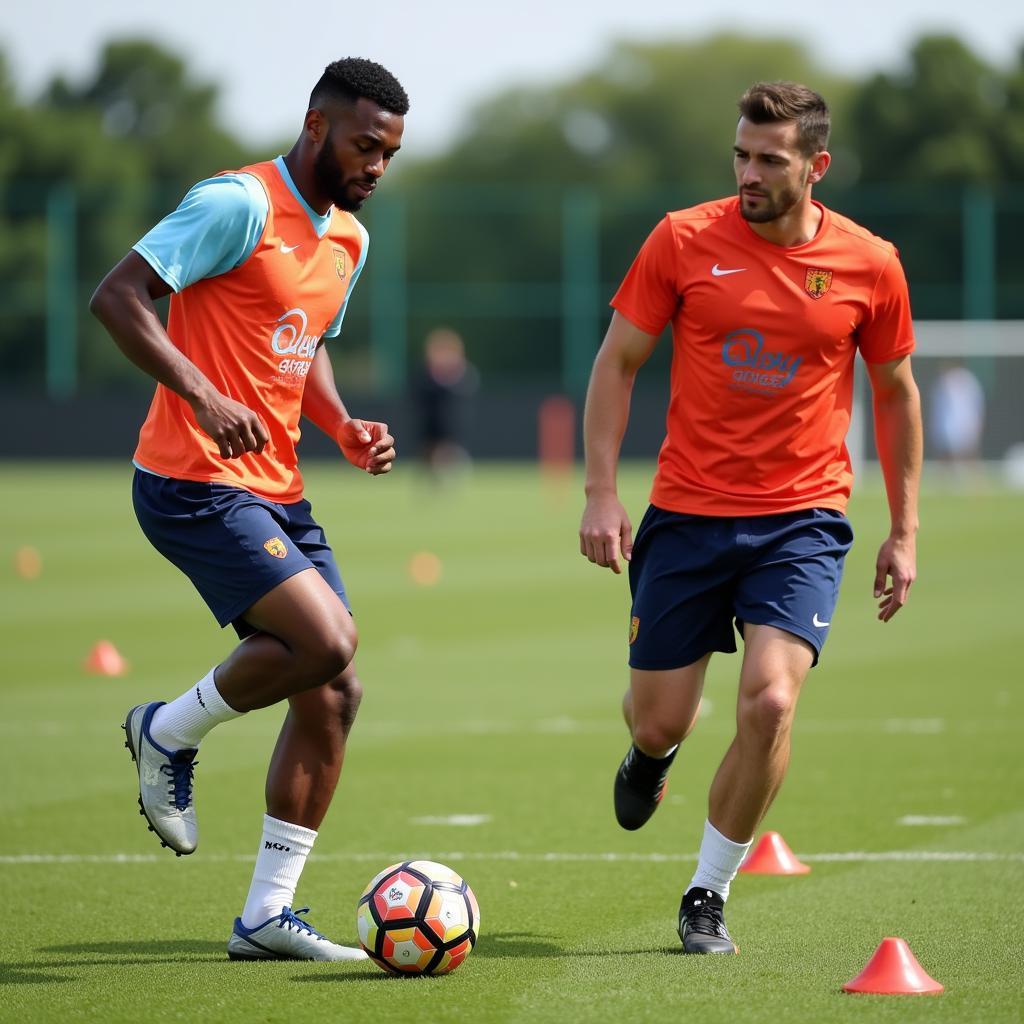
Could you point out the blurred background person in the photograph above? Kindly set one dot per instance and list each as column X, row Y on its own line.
column 444, row 384
column 957, row 417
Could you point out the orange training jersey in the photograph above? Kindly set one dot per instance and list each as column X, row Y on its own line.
column 764, row 338
column 253, row 331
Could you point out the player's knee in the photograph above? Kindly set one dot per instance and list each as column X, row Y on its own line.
column 328, row 654
column 768, row 714
column 655, row 738
column 335, row 655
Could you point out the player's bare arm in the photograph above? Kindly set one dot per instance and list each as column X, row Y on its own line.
column 124, row 304
column 366, row 444
column 898, row 436
column 606, row 533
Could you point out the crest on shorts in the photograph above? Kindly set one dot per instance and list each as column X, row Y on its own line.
column 275, row 546
column 817, row 282
column 634, row 628
column 339, row 262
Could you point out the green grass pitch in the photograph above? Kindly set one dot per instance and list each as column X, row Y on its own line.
column 495, row 693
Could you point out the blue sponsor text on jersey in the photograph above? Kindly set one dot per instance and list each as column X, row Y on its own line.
column 745, row 351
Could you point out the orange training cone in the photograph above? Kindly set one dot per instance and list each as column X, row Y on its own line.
column 27, row 563
column 105, row 660
column 771, row 856
column 424, row 569
column 894, row 970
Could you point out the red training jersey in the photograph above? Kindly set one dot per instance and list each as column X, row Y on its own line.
column 764, row 338
column 253, row 332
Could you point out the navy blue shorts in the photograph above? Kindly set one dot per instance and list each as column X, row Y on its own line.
column 691, row 576
column 235, row 547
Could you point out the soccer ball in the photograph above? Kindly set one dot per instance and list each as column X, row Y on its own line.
column 418, row 917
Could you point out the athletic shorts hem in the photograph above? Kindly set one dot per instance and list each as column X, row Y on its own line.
column 224, row 619
column 643, row 665
column 816, row 640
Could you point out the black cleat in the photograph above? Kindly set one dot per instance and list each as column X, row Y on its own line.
column 701, row 924
column 640, row 783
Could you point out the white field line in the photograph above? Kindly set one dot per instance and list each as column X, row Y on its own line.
column 464, row 820
column 848, row 857
column 931, row 819
column 554, row 727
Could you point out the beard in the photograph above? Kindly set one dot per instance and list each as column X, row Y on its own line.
column 330, row 179
column 771, row 207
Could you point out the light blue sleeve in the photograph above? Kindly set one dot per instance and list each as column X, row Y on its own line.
column 335, row 329
column 214, row 229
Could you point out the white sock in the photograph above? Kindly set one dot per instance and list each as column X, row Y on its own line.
column 720, row 859
column 186, row 720
column 282, row 856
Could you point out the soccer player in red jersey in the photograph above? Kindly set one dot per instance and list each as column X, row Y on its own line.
column 259, row 264
column 770, row 296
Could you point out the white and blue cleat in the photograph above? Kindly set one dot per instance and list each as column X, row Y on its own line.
column 286, row 937
column 165, row 782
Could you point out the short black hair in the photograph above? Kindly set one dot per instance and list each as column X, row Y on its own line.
column 354, row 78
column 774, row 102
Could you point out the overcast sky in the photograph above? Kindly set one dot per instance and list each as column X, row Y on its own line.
column 449, row 53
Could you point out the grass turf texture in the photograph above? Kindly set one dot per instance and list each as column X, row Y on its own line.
column 495, row 692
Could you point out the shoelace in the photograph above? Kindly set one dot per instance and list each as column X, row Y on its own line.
column 706, row 919
column 180, row 775
column 290, row 920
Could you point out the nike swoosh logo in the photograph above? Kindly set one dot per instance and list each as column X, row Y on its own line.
column 289, row 248
column 817, row 622
column 717, row 271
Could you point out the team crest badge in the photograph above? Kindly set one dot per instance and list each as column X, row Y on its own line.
column 634, row 628
column 275, row 546
column 339, row 262
column 817, row 282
